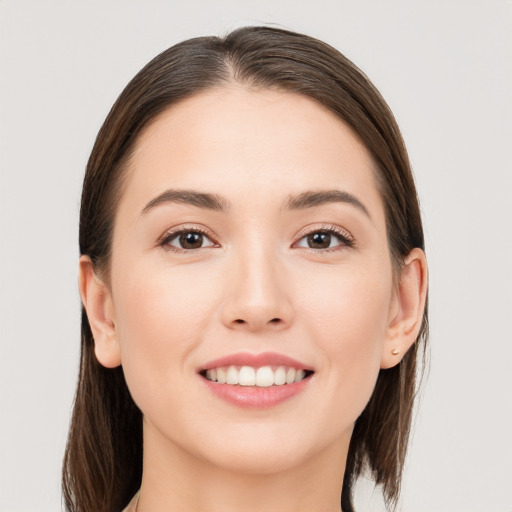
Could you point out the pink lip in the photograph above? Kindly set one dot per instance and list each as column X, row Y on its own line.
column 252, row 396
column 256, row 361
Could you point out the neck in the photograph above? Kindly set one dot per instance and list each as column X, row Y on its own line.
column 173, row 479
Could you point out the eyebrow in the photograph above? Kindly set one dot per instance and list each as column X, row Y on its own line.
column 215, row 202
column 316, row 198
column 191, row 197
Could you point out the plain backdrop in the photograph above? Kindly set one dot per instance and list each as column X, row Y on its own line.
column 445, row 67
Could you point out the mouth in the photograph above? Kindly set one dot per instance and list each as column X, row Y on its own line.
column 261, row 377
column 256, row 380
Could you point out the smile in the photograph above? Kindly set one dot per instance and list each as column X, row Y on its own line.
column 263, row 377
column 256, row 380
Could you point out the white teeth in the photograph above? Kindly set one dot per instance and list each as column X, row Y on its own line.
column 232, row 375
column 280, row 376
column 290, row 376
column 221, row 376
column 247, row 376
column 262, row 377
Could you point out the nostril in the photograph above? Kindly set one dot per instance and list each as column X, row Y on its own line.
column 241, row 321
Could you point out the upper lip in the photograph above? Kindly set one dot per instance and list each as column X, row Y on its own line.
column 256, row 361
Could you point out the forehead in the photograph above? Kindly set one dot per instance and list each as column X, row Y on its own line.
column 254, row 145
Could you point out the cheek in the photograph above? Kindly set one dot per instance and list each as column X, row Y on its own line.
column 347, row 319
column 349, row 308
column 161, row 318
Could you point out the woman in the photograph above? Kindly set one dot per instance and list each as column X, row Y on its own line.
column 254, row 285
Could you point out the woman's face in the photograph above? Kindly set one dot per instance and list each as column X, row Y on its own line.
column 250, row 230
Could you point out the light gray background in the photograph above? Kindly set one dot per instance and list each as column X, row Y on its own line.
column 445, row 68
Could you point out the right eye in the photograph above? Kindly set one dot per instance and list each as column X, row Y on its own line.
column 187, row 240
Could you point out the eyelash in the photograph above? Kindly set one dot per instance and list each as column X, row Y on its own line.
column 344, row 237
column 169, row 236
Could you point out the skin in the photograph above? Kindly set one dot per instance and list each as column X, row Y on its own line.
column 254, row 286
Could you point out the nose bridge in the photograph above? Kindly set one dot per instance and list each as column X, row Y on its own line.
column 257, row 295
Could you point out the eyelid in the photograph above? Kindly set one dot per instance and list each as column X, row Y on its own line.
column 345, row 236
column 171, row 233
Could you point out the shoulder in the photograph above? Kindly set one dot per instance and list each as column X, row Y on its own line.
column 132, row 506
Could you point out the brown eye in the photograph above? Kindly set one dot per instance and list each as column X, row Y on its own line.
column 191, row 240
column 188, row 240
column 324, row 239
column 319, row 240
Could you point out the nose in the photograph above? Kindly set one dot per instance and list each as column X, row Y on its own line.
column 257, row 293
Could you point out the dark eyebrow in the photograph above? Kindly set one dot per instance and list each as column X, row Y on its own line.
column 200, row 199
column 215, row 202
column 317, row 198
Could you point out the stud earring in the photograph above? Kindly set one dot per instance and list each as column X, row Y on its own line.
column 395, row 351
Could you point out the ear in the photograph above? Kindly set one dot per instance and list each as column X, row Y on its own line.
column 408, row 305
column 97, row 301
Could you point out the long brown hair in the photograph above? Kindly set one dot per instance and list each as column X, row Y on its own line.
column 103, row 460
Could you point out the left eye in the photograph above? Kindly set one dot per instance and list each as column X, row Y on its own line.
column 188, row 240
column 322, row 240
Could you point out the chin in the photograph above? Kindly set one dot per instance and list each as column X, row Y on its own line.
column 258, row 462
column 261, row 451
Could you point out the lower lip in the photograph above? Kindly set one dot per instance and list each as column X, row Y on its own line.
column 255, row 397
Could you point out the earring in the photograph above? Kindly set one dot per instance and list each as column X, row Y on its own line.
column 395, row 351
